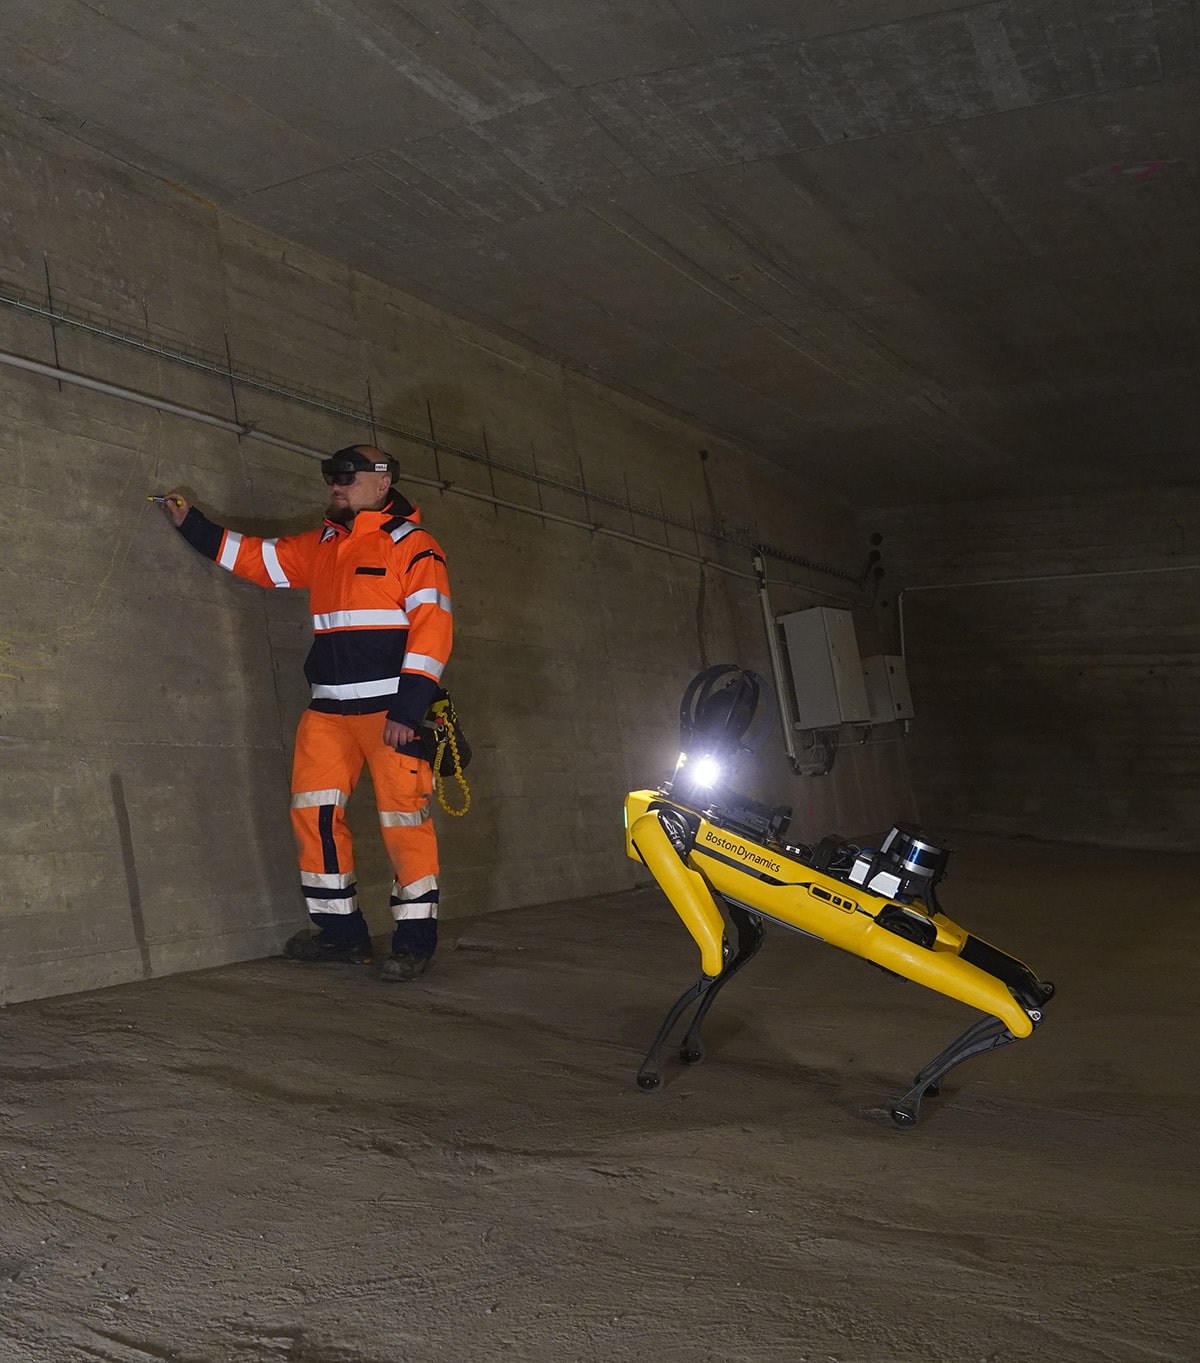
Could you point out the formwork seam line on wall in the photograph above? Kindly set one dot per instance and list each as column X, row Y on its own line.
column 249, row 432
column 1054, row 577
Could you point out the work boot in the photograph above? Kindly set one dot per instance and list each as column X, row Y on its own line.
column 403, row 966
column 314, row 948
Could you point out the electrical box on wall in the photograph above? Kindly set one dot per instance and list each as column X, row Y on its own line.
column 887, row 688
column 826, row 668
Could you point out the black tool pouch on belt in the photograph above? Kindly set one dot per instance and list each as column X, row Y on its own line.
column 434, row 735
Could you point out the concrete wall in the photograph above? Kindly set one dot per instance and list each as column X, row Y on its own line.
column 1062, row 708
column 147, row 698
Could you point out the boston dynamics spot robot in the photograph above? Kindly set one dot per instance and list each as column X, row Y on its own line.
column 709, row 849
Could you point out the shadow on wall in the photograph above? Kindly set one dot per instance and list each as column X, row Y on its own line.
column 250, row 864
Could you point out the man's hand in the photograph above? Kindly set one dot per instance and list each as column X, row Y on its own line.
column 397, row 735
column 176, row 506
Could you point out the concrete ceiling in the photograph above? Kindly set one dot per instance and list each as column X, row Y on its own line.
column 910, row 247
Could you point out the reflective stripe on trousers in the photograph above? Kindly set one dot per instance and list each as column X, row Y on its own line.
column 416, row 899
column 330, row 753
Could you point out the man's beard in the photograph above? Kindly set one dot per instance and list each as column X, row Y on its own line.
column 340, row 514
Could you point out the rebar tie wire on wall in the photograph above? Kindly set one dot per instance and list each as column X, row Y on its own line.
column 259, row 381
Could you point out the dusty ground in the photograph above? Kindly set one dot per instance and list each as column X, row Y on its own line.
column 268, row 1162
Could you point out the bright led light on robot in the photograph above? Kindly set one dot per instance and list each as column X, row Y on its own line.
column 706, row 772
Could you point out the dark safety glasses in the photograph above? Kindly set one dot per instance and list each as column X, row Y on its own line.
column 341, row 479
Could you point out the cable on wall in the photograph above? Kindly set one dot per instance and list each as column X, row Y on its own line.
column 250, row 432
column 260, row 381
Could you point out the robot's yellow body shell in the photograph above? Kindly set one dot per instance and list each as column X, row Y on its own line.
column 769, row 882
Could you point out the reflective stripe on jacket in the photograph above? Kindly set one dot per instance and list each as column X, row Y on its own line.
column 380, row 600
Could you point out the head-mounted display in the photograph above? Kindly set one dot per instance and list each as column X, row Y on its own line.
column 343, row 466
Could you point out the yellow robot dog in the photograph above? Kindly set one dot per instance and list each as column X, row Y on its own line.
column 709, row 849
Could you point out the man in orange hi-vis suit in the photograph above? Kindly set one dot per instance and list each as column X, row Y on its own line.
column 380, row 601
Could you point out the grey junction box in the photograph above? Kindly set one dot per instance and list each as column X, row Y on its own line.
column 887, row 688
column 827, row 672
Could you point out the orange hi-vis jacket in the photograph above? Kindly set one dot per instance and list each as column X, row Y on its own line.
column 380, row 600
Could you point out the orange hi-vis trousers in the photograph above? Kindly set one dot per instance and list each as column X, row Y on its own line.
column 330, row 752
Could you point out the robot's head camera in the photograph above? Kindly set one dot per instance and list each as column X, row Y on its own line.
column 343, row 466
column 727, row 711
column 725, row 715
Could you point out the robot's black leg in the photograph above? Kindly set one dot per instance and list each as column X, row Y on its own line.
column 988, row 1034
column 750, row 934
column 931, row 1076
column 649, row 1076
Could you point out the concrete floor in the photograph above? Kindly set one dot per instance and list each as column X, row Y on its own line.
column 268, row 1162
